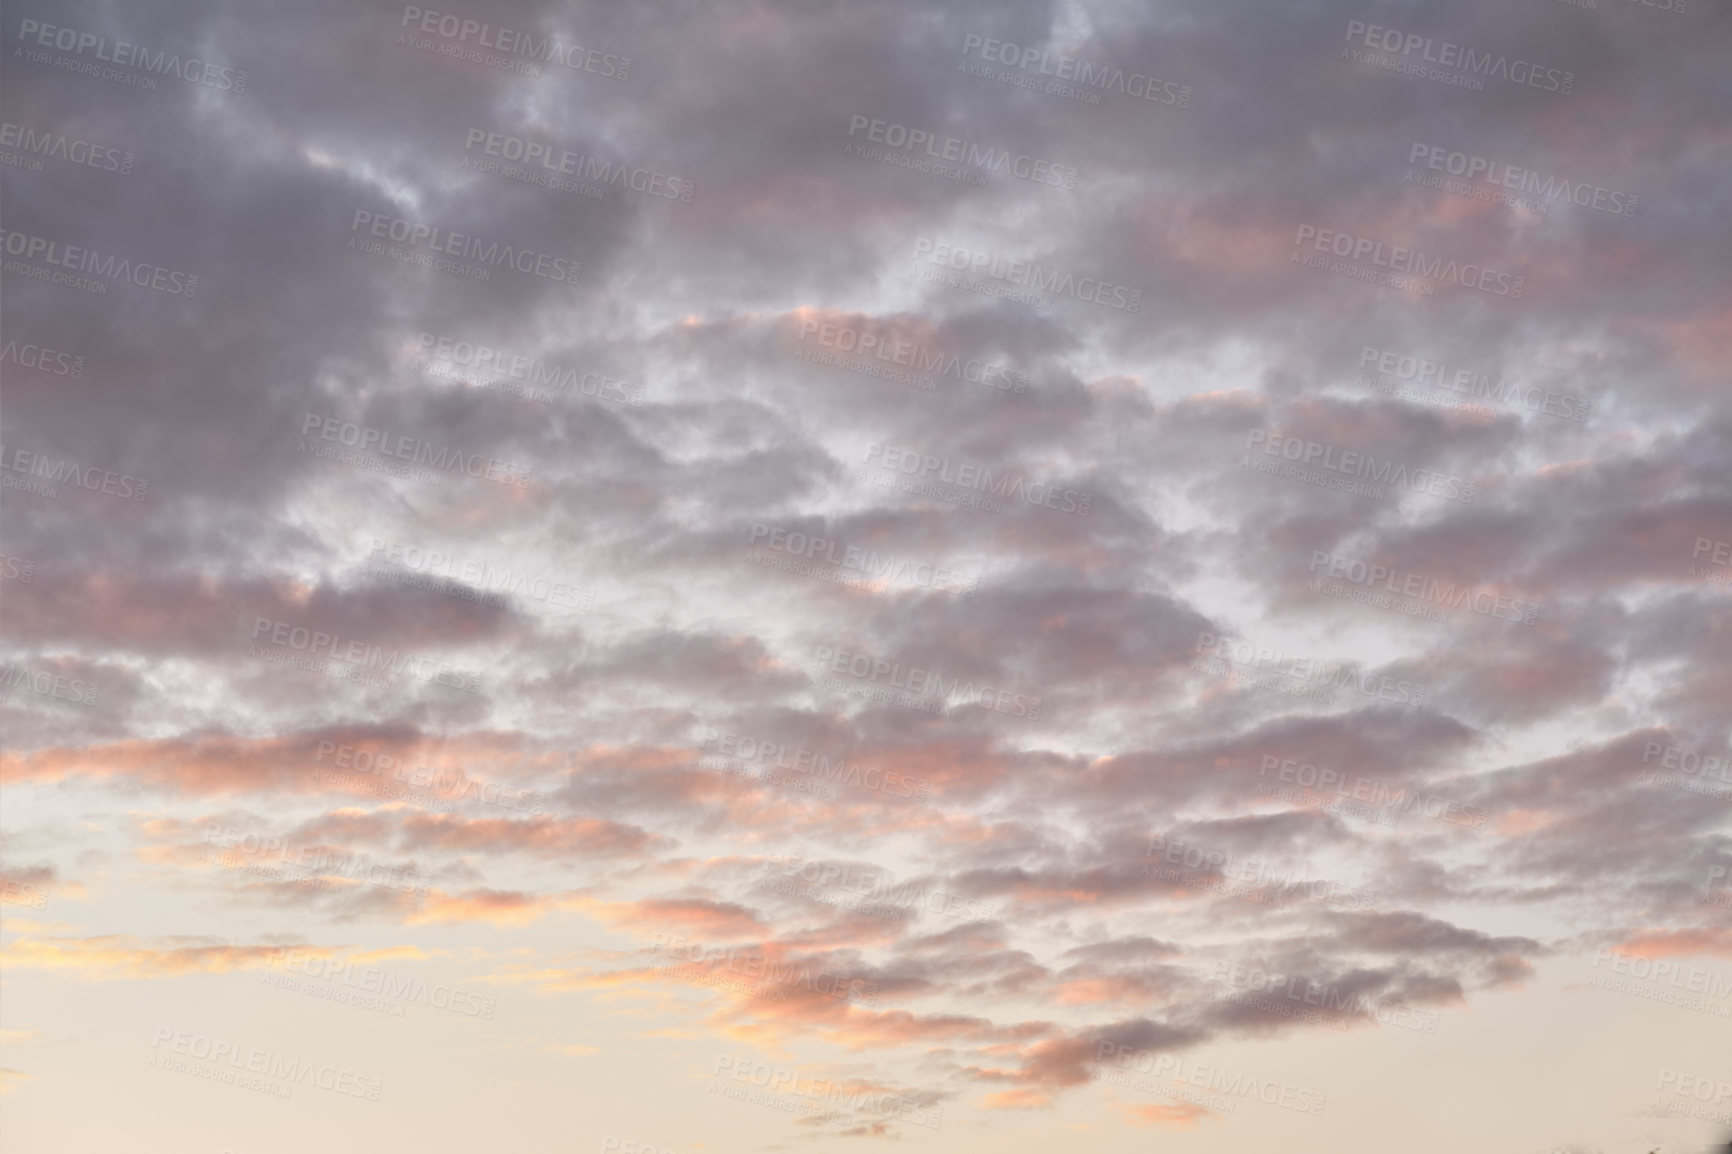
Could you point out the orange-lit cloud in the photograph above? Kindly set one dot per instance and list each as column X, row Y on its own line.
column 122, row 957
column 1179, row 1116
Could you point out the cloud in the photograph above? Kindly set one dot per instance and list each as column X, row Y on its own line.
column 120, row 957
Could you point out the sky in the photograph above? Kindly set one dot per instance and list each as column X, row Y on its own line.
column 779, row 576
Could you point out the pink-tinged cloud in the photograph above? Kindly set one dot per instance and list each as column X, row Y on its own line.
column 544, row 836
column 1712, row 941
column 214, row 764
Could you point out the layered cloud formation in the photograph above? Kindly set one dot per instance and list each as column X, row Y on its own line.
column 735, row 577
